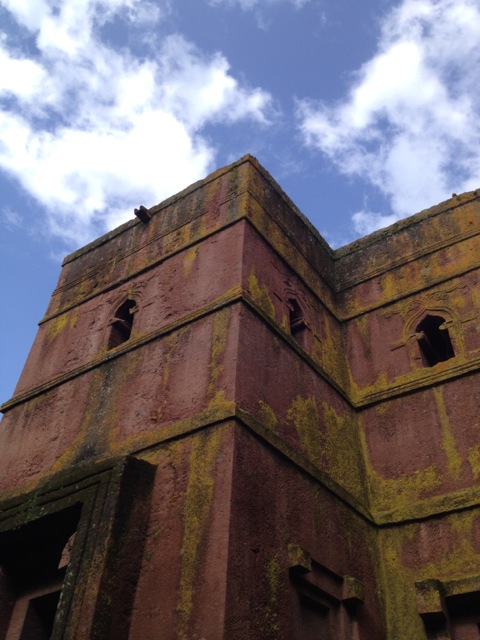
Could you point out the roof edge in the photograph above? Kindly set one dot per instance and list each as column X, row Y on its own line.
column 336, row 254
column 416, row 218
column 106, row 237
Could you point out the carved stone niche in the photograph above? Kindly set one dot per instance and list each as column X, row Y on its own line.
column 450, row 610
column 299, row 326
column 70, row 553
column 324, row 604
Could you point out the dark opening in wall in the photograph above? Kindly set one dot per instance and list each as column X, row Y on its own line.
column 463, row 611
column 121, row 325
column 70, row 553
column 295, row 317
column 39, row 618
column 459, row 620
column 325, row 605
column 33, row 566
column 434, row 340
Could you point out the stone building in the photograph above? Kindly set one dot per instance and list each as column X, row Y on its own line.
column 225, row 430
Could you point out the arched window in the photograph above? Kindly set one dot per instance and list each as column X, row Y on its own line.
column 295, row 317
column 121, row 325
column 434, row 340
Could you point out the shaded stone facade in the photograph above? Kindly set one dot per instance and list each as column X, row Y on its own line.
column 227, row 430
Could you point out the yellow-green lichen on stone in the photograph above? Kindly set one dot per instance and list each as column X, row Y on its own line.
column 261, row 294
column 221, row 323
column 198, row 503
column 304, row 415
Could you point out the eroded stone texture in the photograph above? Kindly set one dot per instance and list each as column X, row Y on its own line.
column 257, row 436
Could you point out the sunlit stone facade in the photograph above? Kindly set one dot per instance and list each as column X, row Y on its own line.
column 227, row 430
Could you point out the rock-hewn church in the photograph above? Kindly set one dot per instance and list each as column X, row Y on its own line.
column 226, row 430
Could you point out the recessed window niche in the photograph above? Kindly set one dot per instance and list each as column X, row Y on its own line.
column 450, row 609
column 295, row 317
column 434, row 340
column 122, row 323
column 324, row 604
column 33, row 565
column 83, row 529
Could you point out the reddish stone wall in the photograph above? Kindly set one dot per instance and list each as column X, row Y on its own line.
column 311, row 471
column 275, row 504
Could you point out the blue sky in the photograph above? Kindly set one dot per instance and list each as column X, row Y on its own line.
column 364, row 112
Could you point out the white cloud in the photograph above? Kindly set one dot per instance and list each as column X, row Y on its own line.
column 410, row 124
column 91, row 131
column 198, row 90
column 32, row 76
column 364, row 222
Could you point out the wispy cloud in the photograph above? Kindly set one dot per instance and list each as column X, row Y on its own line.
column 251, row 4
column 410, row 124
column 10, row 218
column 91, row 130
